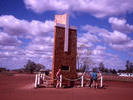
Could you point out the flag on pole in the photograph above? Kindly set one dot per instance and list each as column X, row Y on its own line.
column 64, row 19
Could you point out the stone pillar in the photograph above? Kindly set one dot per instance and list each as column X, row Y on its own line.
column 65, row 60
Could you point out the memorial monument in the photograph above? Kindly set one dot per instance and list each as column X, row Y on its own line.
column 65, row 49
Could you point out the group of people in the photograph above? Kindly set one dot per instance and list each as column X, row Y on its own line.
column 94, row 77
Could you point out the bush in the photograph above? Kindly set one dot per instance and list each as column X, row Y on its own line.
column 32, row 67
column 2, row 69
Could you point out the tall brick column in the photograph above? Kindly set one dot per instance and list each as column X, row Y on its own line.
column 62, row 58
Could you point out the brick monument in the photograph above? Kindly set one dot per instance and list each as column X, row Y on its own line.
column 65, row 49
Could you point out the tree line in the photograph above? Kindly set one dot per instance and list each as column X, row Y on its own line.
column 85, row 61
column 33, row 67
column 128, row 67
column 29, row 67
column 102, row 68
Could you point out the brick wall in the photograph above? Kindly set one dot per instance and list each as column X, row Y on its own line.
column 64, row 58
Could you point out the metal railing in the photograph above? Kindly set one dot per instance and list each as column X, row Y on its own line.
column 42, row 77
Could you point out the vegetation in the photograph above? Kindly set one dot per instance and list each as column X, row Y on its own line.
column 84, row 60
column 2, row 69
column 33, row 67
column 129, row 66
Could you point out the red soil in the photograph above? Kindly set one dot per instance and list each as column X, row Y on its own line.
column 20, row 87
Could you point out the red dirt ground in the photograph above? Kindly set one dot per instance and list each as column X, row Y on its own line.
column 20, row 87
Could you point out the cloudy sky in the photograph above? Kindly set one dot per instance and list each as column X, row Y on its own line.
column 27, row 28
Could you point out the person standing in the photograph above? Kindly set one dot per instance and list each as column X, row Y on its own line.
column 94, row 75
column 58, row 77
column 99, row 75
column 91, row 79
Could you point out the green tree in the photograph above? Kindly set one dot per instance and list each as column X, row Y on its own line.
column 113, row 71
column 32, row 66
column 127, row 66
column 2, row 69
column 131, row 68
column 101, row 67
column 39, row 66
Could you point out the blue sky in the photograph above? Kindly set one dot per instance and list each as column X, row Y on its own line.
column 105, row 27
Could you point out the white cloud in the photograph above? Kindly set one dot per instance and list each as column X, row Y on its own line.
column 98, row 8
column 5, row 39
column 115, row 37
column 114, row 63
column 130, row 54
column 36, row 51
column 10, row 54
column 14, row 44
column 99, row 54
column 117, row 40
column 90, row 37
column 99, row 50
column 44, row 5
column 86, row 39
column 18, row 27
column 120, row 25
column 121, row 47
column 8, row 47
column 94, row 29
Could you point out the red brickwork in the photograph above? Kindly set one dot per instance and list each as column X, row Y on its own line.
column 61, row 58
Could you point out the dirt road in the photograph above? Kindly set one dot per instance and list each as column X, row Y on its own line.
column 20, row 87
